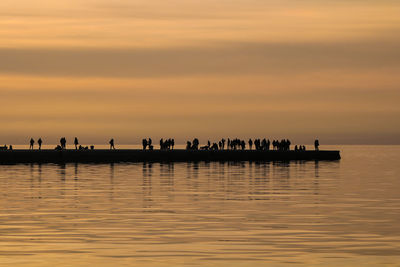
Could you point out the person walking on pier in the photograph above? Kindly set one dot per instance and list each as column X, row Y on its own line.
column 112, row 144
column 316, row 145
column 76, row 143
column 31, row 142
column 40, row 143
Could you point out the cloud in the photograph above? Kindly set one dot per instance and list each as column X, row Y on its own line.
column 217, row 59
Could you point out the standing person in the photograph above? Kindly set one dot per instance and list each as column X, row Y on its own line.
column 112, row 144
column 172, row 143
column 250, row 143
column 31, row 142
column 76, row 143
column 144, row 143
column 316, row 145
column 40, row 143
column 161, row 144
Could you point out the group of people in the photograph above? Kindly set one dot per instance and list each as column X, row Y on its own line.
column 32, row 142
column 63, row 144
column 5, row 147
column 147, row 143
column 301, row 148
column 238, row 144
column 168, row 144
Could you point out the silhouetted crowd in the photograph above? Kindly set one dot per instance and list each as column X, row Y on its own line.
column 168, row 144
column 238, row 144
column 147, row 143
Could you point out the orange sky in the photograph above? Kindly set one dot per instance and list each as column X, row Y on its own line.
column 131, row 69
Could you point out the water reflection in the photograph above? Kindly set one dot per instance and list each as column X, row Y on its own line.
column 198, row 213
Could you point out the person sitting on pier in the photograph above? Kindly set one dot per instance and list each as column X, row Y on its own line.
column 204, row 147
column 40, row 143
column 112, row 144
column 316, row 145
column 214, row 146
column 144, row 143
column 76, row 143
column 31, row 142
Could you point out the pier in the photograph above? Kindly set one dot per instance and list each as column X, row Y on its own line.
column 176, row 155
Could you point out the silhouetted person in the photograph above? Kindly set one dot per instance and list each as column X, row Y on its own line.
column 144, row 143
column 112, row 144
column 196, row 143
column 316, row 144
column 149, row 143
column 172, row 143
column 63, row 143
column 250, row 143
column 31, row 143
column 76, row 143
column 188, row 145
column 40, row 143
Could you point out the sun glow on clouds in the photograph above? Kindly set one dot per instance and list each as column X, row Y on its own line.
column 200, row 68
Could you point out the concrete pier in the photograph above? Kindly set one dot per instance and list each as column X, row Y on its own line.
column 177, row 155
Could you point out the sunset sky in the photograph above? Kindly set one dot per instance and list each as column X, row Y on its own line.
column 130, row 69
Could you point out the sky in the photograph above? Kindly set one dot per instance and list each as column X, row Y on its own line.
column 128, row 70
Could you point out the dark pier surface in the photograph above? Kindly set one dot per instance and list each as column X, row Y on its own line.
column 177, row 155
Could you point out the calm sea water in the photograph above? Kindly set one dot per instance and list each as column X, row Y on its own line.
column 343, row 213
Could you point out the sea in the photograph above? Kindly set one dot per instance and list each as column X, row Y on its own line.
column 300, row 213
